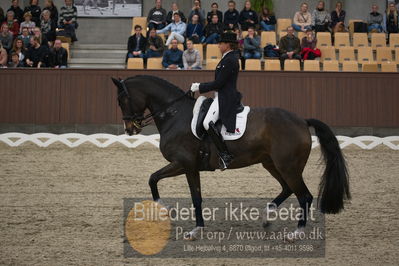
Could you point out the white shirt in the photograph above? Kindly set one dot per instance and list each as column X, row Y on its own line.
column 226, row 53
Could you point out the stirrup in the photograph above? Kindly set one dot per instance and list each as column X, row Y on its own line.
column 224, row 161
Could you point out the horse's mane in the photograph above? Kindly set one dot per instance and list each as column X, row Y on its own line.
column 171, row 88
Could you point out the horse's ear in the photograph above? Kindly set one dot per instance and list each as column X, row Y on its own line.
column 116, row 82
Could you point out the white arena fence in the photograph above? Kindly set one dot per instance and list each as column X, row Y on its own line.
column 74, row 140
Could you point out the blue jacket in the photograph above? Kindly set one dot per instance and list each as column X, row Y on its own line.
column 172, row 57
column 173, row 27
column 194, row 29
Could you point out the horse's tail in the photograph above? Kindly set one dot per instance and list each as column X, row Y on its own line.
column 334, row 185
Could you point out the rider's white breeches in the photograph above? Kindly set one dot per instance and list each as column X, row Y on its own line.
column 213, row 113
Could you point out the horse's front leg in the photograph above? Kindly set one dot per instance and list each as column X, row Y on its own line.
column 172, row 169
column 193, row 179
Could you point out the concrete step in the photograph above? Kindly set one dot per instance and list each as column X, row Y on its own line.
column 97, row 66
column 87, row 53
column 97, row 61
column 111, row 47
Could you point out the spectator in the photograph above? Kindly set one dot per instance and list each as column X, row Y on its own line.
column 195, row 30
column 2, row 18
column 49, row 5
column 157, row 16
column 155, row 45
column 177, row 30
column 197, row 10
column 267, row 20
column 290, row 47
column 231, row 16
column 59, row 55
column 25, row 37
column 14, row 63
column 321, row 18
column 213, row 31
column 302, row 19
column 391, row 18
column 175, row 9
column 173, row 58
column 375, row 20
column 35, row 10
column 28, row 23
column 191, row 57
column 136, row 44
column 68, row 19
column 12, row 23
column 37, row 55
column 214, row 11
column 6, row 37
column 338, row 18
column 19, row 49
column 43, row 39
column 47, row 26
column 248, row 17
column 3, row 56
column 252, row 48
column 308, row 46
column 18, row 12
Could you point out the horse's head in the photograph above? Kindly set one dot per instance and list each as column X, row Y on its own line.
column 132, row 108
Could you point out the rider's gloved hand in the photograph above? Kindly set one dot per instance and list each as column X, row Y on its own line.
column 195, row 87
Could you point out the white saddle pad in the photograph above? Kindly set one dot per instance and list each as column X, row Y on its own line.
column 241, row 121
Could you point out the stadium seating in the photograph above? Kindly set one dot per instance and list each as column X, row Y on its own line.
column 365, row 54
column 352, row 25
column 142, row 21
column 244, row 33
column 213, row 52
column 311, row 65
column 323, row 39
column 292, row 65
column 200, row 49
column 283, row 24
column 346, row 54
column 268, row 37
column 253, row 64
column 350, row 66
column 211, row 64
column 272, row 65
column 341, row 39
column 332, row 65
column 370, row 67
column 180, row 46
column 360, row 40
column 135, row 63
column 301, row 34
column 397, row 55
column 394, row 40
column 384, row 54
column 154, row 63
column 388, row 67
column 378, row 40
column 327, row 53
column 65, row 45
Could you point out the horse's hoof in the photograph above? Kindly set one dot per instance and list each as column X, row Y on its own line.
column 271, row 207
column 298, row 234
column 195, row 234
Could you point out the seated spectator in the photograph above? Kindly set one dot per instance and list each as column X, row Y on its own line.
column 14, row 63
column 3, row 56
column 338, row 18
column 157, row 16
column 391, row 19
column 191, row 57
column 290, row 47
column 321, row 18
column 214, row 11
column 231, row 17
column 252, row 48
column 43, row 39
column 12, row 23
column 177, row 30
column 375, row 20
column 18, row 12
column 248, row 17
column 68, row 20
column 19, row 49
column 27, row 23
column 308, row 46
column 155, row 45
column 195, row 30
column 49, row 5
column 37, row 55
column 48, row 26
column 302, row 19
column 136, row 44
column 59, row 55
column 173, row 58
column 197, row 10
column 267, row 20
column 213, row 31
column 35, row 10
column 175, row 9
column 6, row 37
column 25, row 36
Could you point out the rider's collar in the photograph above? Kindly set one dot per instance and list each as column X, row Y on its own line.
column 226, row 53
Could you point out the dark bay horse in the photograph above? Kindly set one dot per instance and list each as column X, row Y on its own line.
column 276, row 138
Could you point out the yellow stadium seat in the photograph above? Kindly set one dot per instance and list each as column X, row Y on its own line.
column 272, row 65
column 301, row 34
column 180, row 46
column 331, row 66
column 341, row 39
column 211, row 64
column 352, row 25
column 283, row 24
column 360, row 40
column 162, row 35
column 142, row 21
column 397, row 55
column 253, row 64
column 244, row 33
column 350, row 66
column 323, row 39
column 394, row 40
column 268, row 37
column 365, row 55
column 135, row 63
column 346, row 54
column 65, row 45
column 292, row 65
column 154, row 63
column 281, row 34
column 388, row 67
column 200, row 49
column 378, row 40
column 311, row 65
column 327, row 53
column 370, row 67
column 384, row 54
column 213, row 52
column 64, row 39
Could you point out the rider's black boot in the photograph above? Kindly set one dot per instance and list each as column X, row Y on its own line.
column 225, row 157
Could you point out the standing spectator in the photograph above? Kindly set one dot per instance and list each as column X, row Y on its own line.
column 302, row 19
column 48, row 26
column 18, row 12
column 214, row 11
column 290, row 46
column 3, row 56
column 391, row 18
column 338, row 18
column 59, row 55
column 197, row 10
column 157, row 16
column 321, row 18
column 68, row 19
column 173, row 58
column 213, row 31
column 375, row 20
column 177, row 30
column 49, row 5
column 248, row 17
column 35, row 10
column 155, row 45
column 25, row 36
column 175, row 9
column 191, row 57
column 252, row 48
column 136, row 44
column 12, row 23
column 267, row 20
column 14, row 63
column 195, row 30
column 231, row 16
column 28, row 23
column 37, row 55
column 6, row 37
column 19, row 49
column 308, row 46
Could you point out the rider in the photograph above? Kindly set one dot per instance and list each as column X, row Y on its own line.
column 226, row 96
